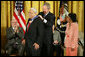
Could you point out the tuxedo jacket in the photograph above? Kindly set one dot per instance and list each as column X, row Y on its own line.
column 34, row 33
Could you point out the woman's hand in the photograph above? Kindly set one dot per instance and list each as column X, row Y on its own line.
column 23, row 42
column 72, row 49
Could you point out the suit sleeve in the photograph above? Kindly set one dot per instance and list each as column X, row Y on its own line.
column 10, row 35
column 40, row 32
column 40, row 13
column 59, row 37
column 49, row 22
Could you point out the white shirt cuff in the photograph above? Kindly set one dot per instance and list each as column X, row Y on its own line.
column 45, row 21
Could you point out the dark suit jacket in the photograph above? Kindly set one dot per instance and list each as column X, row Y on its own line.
column 14, row 37
column 34, row 33
column 48, row 26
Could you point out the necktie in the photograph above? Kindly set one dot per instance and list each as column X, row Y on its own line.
column 28, row 26
column 44, row 16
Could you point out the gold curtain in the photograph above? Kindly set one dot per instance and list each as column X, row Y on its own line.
column 7, row 8
column 78, row 8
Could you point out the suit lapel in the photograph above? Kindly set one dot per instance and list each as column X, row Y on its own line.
column 27, row 24
column 47, row 15
column 31, row 24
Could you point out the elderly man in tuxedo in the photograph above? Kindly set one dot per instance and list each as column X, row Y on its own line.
column 14, row 37
column 34, row 34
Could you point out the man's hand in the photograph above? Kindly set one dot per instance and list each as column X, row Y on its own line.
column 36, row 46
column 41, row 17
column 16, row 28
column 30, row 22
column 23, row 42
column 55, row 42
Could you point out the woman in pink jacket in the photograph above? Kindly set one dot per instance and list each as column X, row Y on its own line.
column 71, row 41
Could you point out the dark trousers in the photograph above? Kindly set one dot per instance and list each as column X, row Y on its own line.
column 57, row 48
column 47, row 48
column 62, row 39
column 19, row 48
column 31, row 51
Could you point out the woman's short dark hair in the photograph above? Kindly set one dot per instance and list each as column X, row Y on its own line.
column 73, row 17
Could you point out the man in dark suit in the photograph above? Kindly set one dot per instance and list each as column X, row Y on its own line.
column 48, row 21
column 14, row 36
column 34, row 34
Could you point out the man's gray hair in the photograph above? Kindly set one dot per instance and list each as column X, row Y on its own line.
column 35, row 11
column 47, row 4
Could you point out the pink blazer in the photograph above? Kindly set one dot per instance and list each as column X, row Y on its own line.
column 71, row 35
